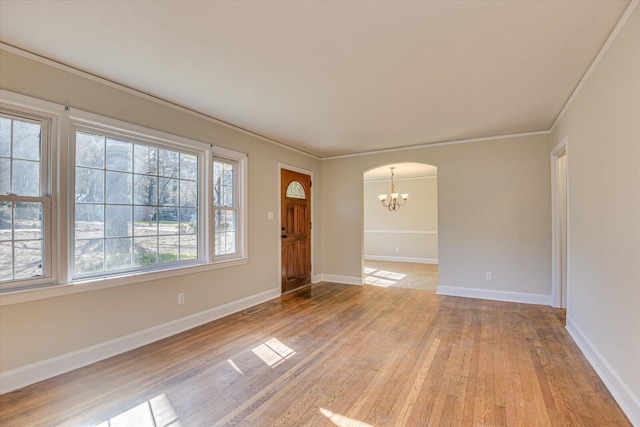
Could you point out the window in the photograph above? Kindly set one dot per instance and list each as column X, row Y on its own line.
column 229, row 205
column 136, row 201
column 136, row 205
column 25, row 200
column 295, row 190
column 225, row 205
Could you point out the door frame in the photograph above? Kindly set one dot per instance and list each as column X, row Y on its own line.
column 556, row 259
column 313, row 230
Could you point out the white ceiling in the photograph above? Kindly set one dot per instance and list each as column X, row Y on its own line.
column 401, row 171
column 333, row 78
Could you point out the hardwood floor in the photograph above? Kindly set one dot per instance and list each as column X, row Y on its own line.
column 339, row 355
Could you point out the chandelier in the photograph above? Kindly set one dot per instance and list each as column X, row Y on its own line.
column 394, row 200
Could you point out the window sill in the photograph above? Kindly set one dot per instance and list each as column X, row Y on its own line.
column 16, row 296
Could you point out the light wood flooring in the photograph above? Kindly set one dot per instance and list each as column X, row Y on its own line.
column 340, row 355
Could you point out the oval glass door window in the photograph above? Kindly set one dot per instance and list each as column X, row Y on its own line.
column 295, row 190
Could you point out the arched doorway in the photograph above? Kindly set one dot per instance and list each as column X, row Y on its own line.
column 401, row 241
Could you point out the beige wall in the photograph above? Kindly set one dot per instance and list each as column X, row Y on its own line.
column 494, row 212
column 37, row 330
column 603, row 129
column 410, row 232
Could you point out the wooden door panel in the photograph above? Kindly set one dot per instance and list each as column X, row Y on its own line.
column 296, row 231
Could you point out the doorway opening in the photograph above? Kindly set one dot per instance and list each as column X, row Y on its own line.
column 560, row 224
column 401, row 245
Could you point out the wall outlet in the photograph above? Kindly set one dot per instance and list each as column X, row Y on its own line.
column 487, row 275
column 180, row 298
column 397, row 250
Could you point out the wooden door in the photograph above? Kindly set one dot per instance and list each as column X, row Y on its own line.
column 295, row 196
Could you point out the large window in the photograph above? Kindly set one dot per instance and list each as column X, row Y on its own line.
column 132, row 201
column 136, row 205
column 25, row 201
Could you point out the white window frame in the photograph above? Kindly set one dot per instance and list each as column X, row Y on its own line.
column 240, row 196
column 80, row 121
column 48, row 115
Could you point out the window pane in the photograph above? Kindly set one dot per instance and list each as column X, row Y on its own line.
column 188, row 167
column 89, row 256
column 119, row 155
column 188, row 247
column 28, row 221
column 118, row 253
column 89, row 221
column 26, row 140
column 89, row 150
column 168, row 248
column 145, row 160
column 168, row 223
column 145, row 251
column 188, row 193
column 28, row 259
column 5, row 137
column 168, row 195
column 5, row 176
column 6, row 214
column 188, row 221
column 145, row 221
column 225, row 232
column 118, row 221
column 228, row 197
column 6, row 261
column 26, row 178
column 118, row 187
column 145, row 190
column 168, row 163
column 89, row 185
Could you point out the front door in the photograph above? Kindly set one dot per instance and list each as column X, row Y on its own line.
column 295, row 192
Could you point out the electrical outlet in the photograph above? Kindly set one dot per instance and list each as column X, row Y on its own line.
column 397, row 250
column 487, row 275
column 180, row 298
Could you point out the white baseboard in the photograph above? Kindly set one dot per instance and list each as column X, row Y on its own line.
column 401, row 259
column 628, row 401
column 489, row 294
column 317, row 278
column 347, row 280
column 39, row 371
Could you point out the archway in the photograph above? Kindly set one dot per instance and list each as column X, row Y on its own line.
column 400, row 245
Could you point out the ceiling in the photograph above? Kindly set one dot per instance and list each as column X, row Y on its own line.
column 333, row 78
column 401, row 171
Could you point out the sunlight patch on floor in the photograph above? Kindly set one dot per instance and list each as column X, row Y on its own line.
column 341, row 420
column 381, row 278
column 156, row 412
column 235, row 367
column 273, row 352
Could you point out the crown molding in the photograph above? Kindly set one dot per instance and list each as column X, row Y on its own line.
column 605, row 47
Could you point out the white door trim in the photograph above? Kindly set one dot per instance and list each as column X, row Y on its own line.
column 556, row 267
column 313, row 229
